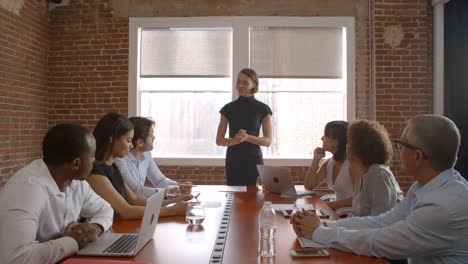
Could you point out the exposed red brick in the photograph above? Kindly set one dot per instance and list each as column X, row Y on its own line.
column 23, row 77
column 71, row 65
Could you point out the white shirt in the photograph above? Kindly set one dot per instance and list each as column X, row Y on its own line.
column 34, row 214
column 136, row 171
column 429, row 226
column 343, row 185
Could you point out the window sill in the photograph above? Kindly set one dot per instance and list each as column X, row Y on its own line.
column 220, row 162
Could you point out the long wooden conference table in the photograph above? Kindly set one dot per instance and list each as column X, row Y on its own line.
column 177, row 242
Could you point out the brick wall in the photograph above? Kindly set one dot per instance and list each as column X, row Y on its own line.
column 24, row 40
column 88, row 62
column 196, row 174
column 362, row 61
column 403, row 63
column 88, row 59
column 216, row 175
column 89, row 52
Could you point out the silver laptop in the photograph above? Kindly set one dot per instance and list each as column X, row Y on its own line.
column 278, row 180
column 128, row 245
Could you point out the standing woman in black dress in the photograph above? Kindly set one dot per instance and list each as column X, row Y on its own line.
column 245, row 116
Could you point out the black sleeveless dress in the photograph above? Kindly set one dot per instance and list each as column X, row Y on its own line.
column 241, row 160
column 113, row 174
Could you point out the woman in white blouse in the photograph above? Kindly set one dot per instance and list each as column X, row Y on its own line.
column 336, row 171
column 376, row 190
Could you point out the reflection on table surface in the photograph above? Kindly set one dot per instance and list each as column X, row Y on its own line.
column 175, row 241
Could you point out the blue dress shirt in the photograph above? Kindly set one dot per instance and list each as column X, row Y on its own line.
column 135, row 172
column 430, row 225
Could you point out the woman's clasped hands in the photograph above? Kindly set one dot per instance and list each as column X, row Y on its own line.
column 241, row 135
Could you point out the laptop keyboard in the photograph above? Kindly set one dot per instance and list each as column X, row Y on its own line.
column 125, row 244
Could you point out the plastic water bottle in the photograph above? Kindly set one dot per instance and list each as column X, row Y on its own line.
column 267, row 231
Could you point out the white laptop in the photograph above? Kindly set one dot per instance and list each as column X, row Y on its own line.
column 128, row 245
column 278, row 180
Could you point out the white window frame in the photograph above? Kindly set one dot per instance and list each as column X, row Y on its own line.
column 240, row 26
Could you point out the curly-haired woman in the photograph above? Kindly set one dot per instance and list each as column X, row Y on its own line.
column 376, row 190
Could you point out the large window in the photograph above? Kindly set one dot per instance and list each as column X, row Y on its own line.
column 183, row 70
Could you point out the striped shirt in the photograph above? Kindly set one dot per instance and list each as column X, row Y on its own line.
column 380, row 192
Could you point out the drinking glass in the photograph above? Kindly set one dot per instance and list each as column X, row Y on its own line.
column 195, row 213
column 172, row 192
column 259, row 183
column 185, row 188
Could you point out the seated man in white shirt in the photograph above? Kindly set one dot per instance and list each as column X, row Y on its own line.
column 138, row 164
column 430, row 225
column 41, row 203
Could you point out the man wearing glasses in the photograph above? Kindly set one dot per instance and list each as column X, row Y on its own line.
column 430, row 225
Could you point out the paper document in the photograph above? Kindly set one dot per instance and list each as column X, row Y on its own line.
column 279, row 207
column 232, row 189
column 309, row 243
column 211, row 204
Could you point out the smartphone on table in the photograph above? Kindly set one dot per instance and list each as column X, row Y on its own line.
column 286, row 213
column 309, row 252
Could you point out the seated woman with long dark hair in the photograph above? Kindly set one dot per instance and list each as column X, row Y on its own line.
column 336, row 171
column 114, row 135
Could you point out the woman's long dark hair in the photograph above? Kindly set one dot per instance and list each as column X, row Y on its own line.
column 110, row 128
column 338, row 131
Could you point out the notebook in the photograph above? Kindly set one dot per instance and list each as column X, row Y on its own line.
column 278, row 180
column 128, row 245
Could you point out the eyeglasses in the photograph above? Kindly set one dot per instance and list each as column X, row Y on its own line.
column 399, row 144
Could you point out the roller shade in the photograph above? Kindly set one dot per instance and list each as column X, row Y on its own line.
column 186, row 52
column 297, row 52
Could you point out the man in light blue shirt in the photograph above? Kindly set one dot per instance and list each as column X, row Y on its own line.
column 430, row 225
column 138, row 164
